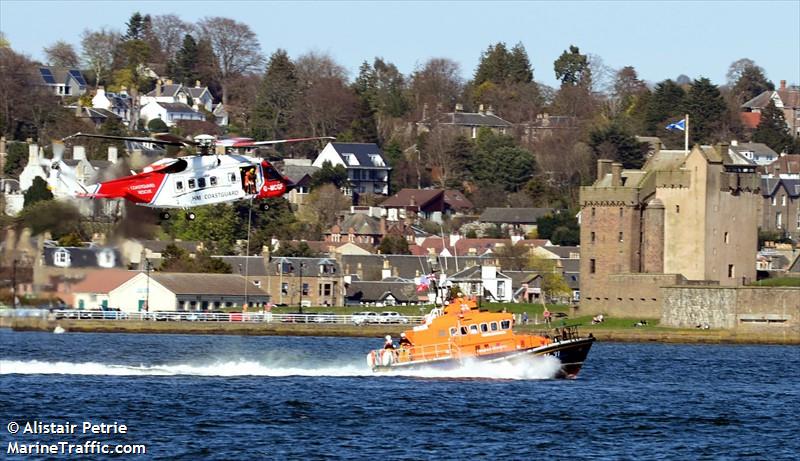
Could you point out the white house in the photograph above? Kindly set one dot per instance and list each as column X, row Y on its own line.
column 200, row 97
column 484, row 281
column 169, row 112
column 366, row 166
column 170, row 291
column 117, row 103
column 93, row 291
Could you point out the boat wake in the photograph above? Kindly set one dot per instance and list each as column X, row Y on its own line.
column 536, row 368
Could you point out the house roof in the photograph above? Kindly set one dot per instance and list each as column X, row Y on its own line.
column 757, row 148
column 368, row 291
column 177, row 107
column 457, row 201
column 520, row 277
column 311, row 266
column 84, row 256
column 769, row 186
column 196, row 92
column 360, row 223
column 760, row 101
column 786, row 164
column 416, row 198
column 478, row 119
column 166, row 90
column 52, row 75
column 102, row 280
column 158, row 246
column 205, row 284
column 362, row 152
column 514, row 215
column 563, row 251
column 299, row 172
column 253, row 266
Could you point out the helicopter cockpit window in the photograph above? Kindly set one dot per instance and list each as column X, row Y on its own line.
column 213, row 180
column 179, row 185
column 201, row 182
column 191, row 183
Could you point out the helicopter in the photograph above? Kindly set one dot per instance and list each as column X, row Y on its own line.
column 205, row 178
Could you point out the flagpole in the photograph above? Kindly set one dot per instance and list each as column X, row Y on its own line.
column 686, row 136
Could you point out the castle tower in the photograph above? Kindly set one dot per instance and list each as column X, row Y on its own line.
column 653, row 237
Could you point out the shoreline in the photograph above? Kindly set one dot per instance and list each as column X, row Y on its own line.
column 656, row 334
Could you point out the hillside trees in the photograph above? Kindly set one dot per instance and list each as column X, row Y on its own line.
column 706, row 107
column 613, row 142
column 62, row 54
column 276, row 98
column 98, row 52
column 236, row 48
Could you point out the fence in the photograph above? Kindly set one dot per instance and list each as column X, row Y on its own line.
column 176, row 316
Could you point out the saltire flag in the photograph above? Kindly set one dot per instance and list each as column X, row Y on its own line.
column 681, row 126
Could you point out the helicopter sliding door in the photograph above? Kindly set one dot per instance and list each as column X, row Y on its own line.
column 249, row 177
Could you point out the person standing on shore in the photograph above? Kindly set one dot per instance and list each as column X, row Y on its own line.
column 546, row 315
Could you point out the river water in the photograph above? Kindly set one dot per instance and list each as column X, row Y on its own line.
column 230, row 397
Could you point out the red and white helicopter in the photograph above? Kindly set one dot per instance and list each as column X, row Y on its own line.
column 183, row 182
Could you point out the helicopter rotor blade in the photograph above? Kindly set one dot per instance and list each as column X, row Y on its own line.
column 282, row 141
column 168, row 142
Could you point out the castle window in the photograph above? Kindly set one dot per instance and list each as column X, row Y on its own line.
column 726, row 238
column 592, row 266
column 593, row 211
column 593, row 237
column 621, row 210
column 620, row 237
column 731, row 271
column 677, row 208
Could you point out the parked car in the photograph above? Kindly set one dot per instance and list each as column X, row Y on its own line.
column 391, row 317
column 361, row 318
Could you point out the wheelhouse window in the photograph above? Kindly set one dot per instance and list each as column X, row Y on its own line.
column 473, row 329
column 505, row 324
column 484, row 328
column 464, row 330
column 453, row 331
column 493, row 326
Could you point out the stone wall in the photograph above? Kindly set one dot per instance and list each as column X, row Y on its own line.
column 629, row 295
column 731, row 307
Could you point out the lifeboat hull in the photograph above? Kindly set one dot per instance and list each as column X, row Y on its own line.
column 571, row 353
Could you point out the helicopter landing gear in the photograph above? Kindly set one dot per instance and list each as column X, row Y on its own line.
column 164, row 215
column 190, row 216
column 264, row 207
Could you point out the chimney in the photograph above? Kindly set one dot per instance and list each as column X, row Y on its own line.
column 459, row 107
column 78, row 153
column 454, row 237
column 78, row 109
column 382, row 228
column 603, row 168
column 734, row 143
column 123, row 90
column 516, row 237
column 425, row 111
column 169, row 81
column 33, row 154
column 723, row 149
column 783, row 85
column 197, row 83
column 112, row 154
column 158, row 87
column 777, row 169
column 616, row 174
column 480, row 109
column 386, row 272
column 490, row 111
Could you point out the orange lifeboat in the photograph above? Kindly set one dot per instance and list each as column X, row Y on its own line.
column 461, row 331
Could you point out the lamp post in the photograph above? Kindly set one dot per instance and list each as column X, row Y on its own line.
column 147, row 289
column 14, row 284
column 301, row 287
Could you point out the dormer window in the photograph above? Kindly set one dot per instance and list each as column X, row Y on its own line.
column 61, row 258
column 106, row 258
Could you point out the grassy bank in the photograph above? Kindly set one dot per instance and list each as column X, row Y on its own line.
column 617, row 331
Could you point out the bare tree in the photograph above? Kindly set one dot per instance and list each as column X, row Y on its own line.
column 442, row 159
column 323, row 205
column 61, row 54
column 737, row 68
column 438, row 84
column 98, row 51
column 235, row 46
column 327, row 104
column 169, row 30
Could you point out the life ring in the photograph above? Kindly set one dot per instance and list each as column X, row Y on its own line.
column 387, row 357
column 371, row 359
